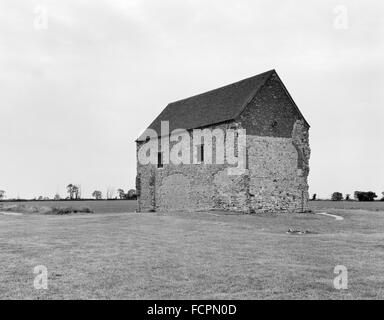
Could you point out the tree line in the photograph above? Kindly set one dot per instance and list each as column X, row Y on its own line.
column 74, row 193
column 358, row 196
column 130, row 195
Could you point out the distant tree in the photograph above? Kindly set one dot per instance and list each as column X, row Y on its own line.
column 57, row 197
column 382, row 199
column 314, row 197
column 132, row 194
column 46, row 198
column 365, row 196
column 76, row 191
column 40, row 198
column 347, row 197
column 97, row 194
column 2, row 194
column 371, row 196
column 121, row 193
column 70, row 190
column 337, row 196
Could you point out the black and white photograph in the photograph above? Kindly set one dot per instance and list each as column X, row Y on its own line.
column 189, row 150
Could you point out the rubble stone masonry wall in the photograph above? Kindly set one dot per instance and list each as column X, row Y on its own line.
column 275, row 180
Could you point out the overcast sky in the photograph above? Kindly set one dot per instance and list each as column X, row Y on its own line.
column 77, row 88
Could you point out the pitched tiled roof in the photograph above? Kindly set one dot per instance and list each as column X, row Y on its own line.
column 212, row 107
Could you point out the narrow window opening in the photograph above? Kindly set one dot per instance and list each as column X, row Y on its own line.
column 159, row 159
column 200, row 153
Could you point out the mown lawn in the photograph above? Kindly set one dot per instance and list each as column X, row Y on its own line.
column 192, row 256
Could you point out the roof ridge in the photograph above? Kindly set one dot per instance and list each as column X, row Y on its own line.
column 222, row 87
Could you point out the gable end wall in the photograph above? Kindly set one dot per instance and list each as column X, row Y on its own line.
column 278, row 151
column 271, row 113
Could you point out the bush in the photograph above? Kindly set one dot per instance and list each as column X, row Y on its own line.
column 337, row 196
column 365, row 196
column 70, row 210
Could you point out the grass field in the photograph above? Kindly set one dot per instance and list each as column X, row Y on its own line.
column 118, row 254
column 354, row 205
